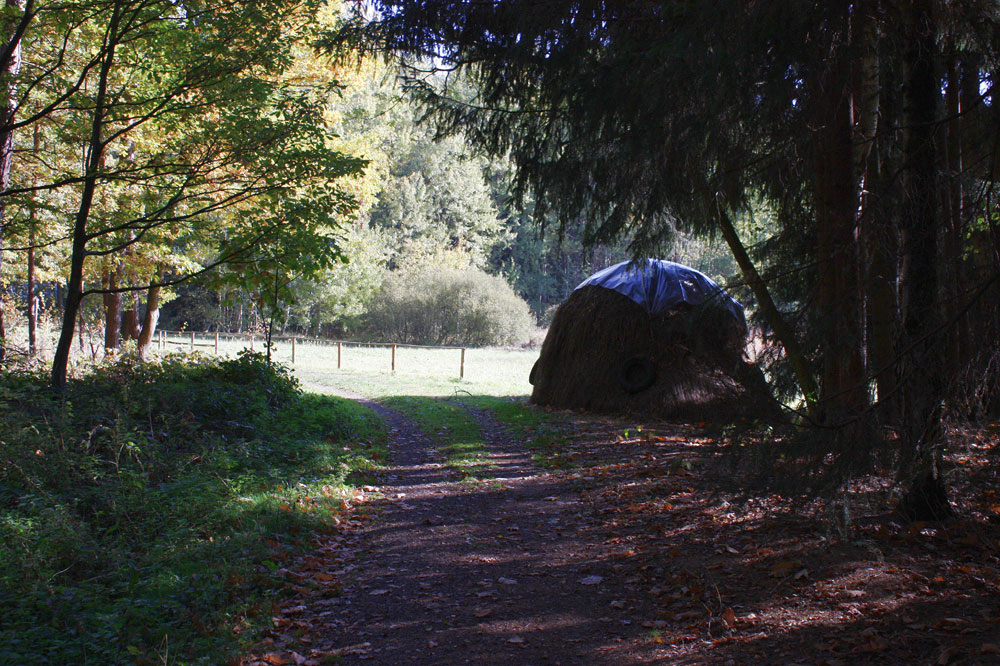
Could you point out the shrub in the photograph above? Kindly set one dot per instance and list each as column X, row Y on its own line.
column 436, row 306
column 144, row 509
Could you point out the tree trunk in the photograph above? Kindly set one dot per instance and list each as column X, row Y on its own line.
column 79, row 328
column 13, row 32
column 112, row 313
column 74, row 285
column 32, row 222
column 32, row 300
column 881, row 248
column 877, row 243
column 786, row 336
column 955, row 282
column 844, row 393
column 879, row 225
column 149, row 322
column 130, row 319
column 921, row 387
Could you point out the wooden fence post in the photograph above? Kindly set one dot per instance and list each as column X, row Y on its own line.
column 293, row 349
column 394, row 358
column 192, row 340
column 461, row 369
column 338, row 355
column 216, row 343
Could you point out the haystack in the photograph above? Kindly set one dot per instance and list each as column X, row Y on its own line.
column 654, row 338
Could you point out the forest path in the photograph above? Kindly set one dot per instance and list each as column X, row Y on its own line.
column 499, row 571
column 635, row 554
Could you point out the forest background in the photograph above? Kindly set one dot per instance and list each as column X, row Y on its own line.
column 376, row 228
column 257, row 164
column 285, row 165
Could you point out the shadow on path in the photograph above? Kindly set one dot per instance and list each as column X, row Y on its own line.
column 501, row 571
column 627, row 558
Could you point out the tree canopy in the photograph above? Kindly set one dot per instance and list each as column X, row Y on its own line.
column 866, row 127
column 167, row 125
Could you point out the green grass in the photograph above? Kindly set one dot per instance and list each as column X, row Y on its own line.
column 499, row 384
column 144, row 512
column 536, row 428
column 368, row 370
column 498, row 376
column 452, row 427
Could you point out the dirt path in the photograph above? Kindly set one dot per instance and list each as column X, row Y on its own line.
column 505, row 571
column 630, row 556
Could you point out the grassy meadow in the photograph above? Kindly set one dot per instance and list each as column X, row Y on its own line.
column 367, row 369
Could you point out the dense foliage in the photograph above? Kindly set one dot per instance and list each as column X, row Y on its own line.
column 449, row 307
column 158, row 140
column 870, row 129
column 427, row 203
column 143, row 509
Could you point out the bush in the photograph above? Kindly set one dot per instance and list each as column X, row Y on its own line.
column 144, row 509
column 435, row 306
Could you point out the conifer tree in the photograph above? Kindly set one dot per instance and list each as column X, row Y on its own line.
column 646, row 116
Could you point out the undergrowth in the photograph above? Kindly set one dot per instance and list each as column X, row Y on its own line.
column 144, row 508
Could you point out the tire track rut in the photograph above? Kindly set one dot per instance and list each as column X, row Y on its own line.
column 503, row 571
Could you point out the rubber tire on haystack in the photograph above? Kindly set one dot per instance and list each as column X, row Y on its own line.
column 637, row 374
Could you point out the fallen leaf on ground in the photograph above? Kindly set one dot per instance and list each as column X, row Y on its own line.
column 784, row 568
column 875, row 644
column 945, row 657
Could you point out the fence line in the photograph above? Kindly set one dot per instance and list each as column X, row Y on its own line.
column 190, row 339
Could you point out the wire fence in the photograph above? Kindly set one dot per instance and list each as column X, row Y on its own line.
column 497, row 368
column 321, row 353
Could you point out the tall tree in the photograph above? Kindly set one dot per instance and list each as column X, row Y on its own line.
column 16, row 17
column 645, row 116
column 921, row 371
column 191, row 134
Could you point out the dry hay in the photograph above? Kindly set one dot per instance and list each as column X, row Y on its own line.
column 697, row 352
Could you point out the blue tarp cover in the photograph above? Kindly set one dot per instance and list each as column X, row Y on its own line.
column 659, row 285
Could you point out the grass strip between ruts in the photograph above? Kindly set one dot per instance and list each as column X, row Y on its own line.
column 452, row 427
